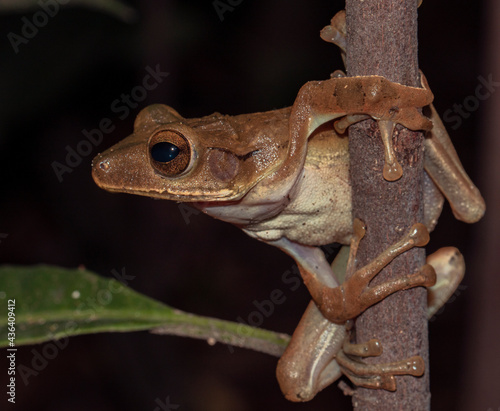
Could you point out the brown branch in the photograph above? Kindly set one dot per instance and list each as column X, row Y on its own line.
column 382, row 40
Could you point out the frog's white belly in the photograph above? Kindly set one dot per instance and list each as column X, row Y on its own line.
column 319, row 212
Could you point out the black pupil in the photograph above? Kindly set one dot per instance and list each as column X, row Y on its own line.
column 164, row 152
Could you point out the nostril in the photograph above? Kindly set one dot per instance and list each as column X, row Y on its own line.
column 104, row 165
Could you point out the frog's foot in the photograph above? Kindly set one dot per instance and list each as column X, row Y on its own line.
column 352, row 99
column 377, row 376
column 339, row 303
column 355, row 295
column 335, row 32
column 392, row 169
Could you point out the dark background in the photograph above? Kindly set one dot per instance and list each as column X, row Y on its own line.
column 64, row 81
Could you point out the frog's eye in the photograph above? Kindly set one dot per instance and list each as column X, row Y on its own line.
column 170, row 153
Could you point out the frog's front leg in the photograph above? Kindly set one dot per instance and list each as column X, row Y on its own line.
column 441, row 163
column 441, row 160
column 352, row 99
column 340, row 303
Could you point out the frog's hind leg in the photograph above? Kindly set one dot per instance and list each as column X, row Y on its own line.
column 308, row 364
column 319, row 352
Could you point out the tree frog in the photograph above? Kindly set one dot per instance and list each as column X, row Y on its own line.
column 282, row 176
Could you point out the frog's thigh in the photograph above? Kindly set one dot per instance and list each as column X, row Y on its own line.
column 308, row 364
column 449, row 265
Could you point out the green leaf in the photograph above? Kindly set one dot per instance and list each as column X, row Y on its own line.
column 53, row 302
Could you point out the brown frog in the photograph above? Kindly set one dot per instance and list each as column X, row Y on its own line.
column 283, row 177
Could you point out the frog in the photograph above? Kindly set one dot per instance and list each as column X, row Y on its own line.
column 282, row 176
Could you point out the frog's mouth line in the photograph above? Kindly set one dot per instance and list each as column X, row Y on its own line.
column 224, row 196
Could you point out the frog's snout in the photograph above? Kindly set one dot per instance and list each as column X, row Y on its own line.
column 100, row 167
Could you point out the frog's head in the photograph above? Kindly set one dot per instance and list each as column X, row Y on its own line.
column 214, row 158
